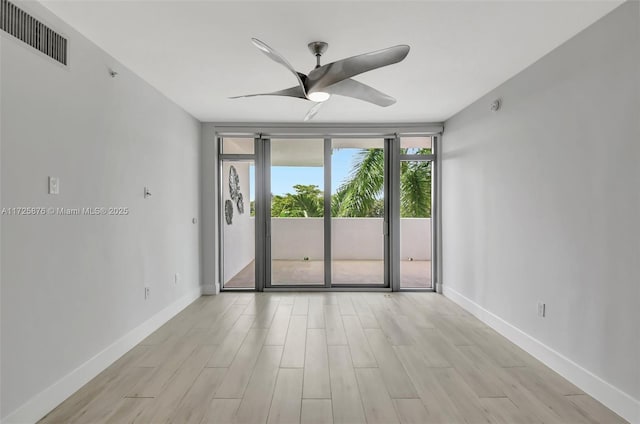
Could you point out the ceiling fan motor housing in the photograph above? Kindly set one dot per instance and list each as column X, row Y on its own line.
column 318, row 47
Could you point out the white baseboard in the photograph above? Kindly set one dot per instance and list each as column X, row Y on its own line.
column 42, row 403
column 211, row 289
column 612, row 397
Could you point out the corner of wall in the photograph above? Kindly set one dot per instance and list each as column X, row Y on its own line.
column 41, row 404
column 614, row 398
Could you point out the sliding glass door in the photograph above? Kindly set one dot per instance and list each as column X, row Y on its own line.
column 322, row 213
column 358, row 212
column 296, row 221
column 237, row 214
column 327, row 213
column 415, row 187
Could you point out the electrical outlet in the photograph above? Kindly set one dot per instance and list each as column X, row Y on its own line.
column 176, row 278
column 542, row 309
column 147, row 293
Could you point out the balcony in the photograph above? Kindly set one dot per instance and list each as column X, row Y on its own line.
column 357, row 252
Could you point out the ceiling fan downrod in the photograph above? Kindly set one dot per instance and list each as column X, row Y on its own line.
column 317, row 48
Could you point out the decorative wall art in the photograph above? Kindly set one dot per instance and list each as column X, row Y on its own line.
column 240, row 204
column 235, row 194
column 234, row 183
column 228, row 211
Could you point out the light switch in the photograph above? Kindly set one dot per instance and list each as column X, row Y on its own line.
column 54, row 185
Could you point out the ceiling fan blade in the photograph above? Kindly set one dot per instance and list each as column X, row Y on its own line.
column 340, row 70
column 277, row 57
column 296, row 91
column 313, row 111
column 360, row 91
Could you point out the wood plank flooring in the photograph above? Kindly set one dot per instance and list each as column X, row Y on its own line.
column 328, row 358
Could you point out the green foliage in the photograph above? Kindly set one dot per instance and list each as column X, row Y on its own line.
column 306, row 202
column 337, row 200
column 415, row 189
column 362, row 194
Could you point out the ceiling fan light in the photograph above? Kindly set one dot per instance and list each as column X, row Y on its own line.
column 319, row 96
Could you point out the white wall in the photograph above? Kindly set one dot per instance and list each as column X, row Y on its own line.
column 73, row 285
column 541, row 203
column 352, row 238
column 239, row 237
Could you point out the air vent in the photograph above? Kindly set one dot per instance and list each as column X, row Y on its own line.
column 28, row 29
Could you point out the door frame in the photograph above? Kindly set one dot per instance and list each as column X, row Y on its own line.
column 266, row 220
column 396, row 284
column 327, row 223
column 222, row 157
column 391, row 225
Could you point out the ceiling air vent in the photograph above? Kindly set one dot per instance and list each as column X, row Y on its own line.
column 28, row 29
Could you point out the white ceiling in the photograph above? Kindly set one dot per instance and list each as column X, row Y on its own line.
column 199, row 53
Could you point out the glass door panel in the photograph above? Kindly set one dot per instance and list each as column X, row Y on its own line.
column 238, row 224
column 297, row 212
column 415, row 224
column 357, row 211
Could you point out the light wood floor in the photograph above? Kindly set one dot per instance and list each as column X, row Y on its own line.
column 328, row 357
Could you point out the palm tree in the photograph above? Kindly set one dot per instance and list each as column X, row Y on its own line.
column 415, row 189
column 358, row 195
column 361, row 194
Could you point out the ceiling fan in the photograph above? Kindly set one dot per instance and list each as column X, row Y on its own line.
column 334, row 78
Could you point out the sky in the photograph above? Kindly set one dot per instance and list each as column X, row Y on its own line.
column 283, row 178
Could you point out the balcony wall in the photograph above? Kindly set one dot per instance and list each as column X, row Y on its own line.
column 297, row 238
column 353, row 238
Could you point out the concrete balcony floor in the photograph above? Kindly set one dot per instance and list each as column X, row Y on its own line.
column 413, row 274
